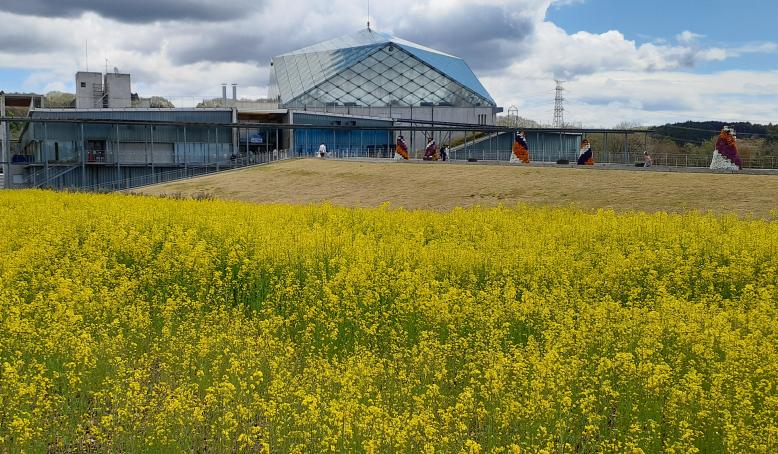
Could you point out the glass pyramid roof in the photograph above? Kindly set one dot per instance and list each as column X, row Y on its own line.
column 353, row 69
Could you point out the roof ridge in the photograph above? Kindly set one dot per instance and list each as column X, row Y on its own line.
column 361, row 38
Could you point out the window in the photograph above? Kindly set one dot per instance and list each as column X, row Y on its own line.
column 83, row 84
column 95, row 150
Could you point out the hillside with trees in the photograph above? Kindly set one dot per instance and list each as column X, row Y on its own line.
column 700, row 131
column 59, row 100
column 756, row 143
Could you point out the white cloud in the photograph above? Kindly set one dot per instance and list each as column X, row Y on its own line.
column 687, row 37
column 610, row 97
column 754, row 48
column 510, row 44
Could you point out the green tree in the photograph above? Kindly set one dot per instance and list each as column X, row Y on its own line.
column 59, row 100
column 517, row 122
column 158, row 102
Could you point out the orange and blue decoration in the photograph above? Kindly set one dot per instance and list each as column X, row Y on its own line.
column 521, row 148
column 586, row 156
column 402, row 148
column 727, row 147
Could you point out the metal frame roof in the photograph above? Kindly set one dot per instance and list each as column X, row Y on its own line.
column 299, row 72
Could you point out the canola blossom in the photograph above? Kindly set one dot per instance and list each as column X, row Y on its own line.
column 133, row 324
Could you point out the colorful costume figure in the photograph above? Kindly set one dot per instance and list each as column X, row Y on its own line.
column 401, row 150
column 431, row 152
column 725, row 156
column 520, row 149
column 585, row 155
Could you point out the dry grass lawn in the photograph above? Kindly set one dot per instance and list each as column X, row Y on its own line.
column 440, row 186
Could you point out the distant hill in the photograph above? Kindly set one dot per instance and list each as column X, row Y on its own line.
column 700, row 131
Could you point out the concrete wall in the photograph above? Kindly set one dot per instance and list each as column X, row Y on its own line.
column 117, row 90
column 88, row 85
column 95, row 91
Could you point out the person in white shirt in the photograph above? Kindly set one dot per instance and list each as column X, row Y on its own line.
column 647, row 161
column 322, row 151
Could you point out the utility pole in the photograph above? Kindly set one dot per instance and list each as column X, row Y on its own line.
column 559, row 105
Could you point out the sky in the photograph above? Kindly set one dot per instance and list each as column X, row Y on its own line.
column 642, row 63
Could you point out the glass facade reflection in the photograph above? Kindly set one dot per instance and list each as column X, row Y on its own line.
column 374, row 69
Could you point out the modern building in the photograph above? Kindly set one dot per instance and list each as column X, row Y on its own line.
column 95, row 147
column 372, row 69
column 355, row 93
column 8, row 146
column 374, row 75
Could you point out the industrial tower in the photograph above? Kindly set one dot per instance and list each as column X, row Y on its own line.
column 559, row 105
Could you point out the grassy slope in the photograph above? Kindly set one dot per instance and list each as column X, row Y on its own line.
column 443, row 187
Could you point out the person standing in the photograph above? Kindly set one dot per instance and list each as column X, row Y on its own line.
column 444, row 153
column 322, row 150
column 647, row 161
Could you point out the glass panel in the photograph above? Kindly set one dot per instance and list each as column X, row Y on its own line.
column 383, row 78
column 367, row 54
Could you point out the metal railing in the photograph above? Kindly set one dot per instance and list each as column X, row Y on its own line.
column 40, row 178
column 385, row 152
column 683, row 160
column 188, row 172
column 631, row 158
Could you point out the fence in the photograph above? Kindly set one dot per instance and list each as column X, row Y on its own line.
column 631, row 158
column 107, row 154
column 186, row 173
column 353, row 153
column 682, row 160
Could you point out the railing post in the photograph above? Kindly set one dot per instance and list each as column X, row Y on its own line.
column 626, row 149
column 607, row 149
column 6, row 149
column 186, row 152
column 46, row 152
column 116, row 155
column 490, row 148
column 152, row 152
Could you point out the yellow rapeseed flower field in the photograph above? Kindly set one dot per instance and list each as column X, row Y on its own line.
column 133, row 324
